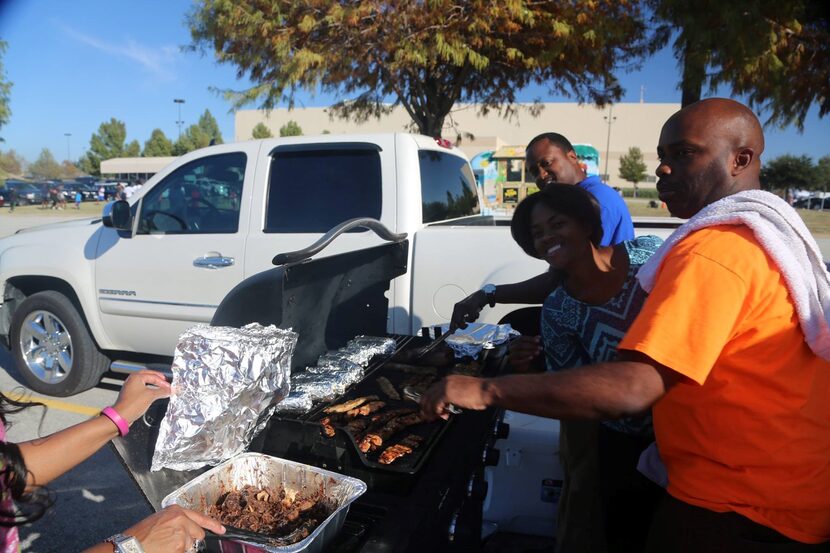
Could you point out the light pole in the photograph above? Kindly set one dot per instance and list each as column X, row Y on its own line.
column 68, row 135
column 610, row 118
column 179, row 122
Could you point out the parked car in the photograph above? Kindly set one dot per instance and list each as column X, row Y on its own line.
column 27, row 192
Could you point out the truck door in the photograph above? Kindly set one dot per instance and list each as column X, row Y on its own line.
column 184, row 255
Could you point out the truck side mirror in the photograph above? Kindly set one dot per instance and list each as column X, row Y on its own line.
column 117, row 215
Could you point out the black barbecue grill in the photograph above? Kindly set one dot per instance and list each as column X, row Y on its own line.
column 430, row 500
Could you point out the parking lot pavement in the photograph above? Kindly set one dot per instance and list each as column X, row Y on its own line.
column 93, row 501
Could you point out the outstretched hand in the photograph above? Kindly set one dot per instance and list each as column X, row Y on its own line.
column 173, row 530
column 466, row 392
column 467, row 310
column 139, row 391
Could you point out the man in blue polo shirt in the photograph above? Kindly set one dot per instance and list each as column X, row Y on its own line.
column 550, row 158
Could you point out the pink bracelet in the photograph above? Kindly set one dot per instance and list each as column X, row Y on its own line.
column 118, row 420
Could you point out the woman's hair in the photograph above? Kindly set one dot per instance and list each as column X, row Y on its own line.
column 28, row 506
column 567, row 199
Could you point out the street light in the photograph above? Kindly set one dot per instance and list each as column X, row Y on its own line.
column 67, row 135
column 179, row 101
column 610, row 118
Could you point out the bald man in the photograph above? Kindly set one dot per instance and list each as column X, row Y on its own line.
column 743, row 417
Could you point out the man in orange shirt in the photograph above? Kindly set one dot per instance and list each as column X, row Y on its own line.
column 741, row 400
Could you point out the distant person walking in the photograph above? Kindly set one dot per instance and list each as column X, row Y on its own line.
column 78, row 198
column 12, row 199
column 101, row 194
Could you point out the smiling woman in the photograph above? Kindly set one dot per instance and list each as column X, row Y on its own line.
column 605, row 501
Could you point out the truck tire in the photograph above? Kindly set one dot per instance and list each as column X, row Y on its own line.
column 52, row 347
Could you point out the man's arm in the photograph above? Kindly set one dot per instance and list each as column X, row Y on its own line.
column 602, row 391
column 531, row 291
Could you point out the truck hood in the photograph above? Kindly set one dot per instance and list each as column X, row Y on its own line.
column 61, row 226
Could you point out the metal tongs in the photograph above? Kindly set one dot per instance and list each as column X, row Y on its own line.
column 411, row 394
column 434, row 344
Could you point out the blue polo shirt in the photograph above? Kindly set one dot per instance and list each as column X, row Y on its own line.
column 616, row 220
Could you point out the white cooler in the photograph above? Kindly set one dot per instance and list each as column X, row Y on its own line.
column 525, row 486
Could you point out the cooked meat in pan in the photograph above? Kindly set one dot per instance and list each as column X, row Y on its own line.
column 349, row 405
column 387, row 388
column 400, row 449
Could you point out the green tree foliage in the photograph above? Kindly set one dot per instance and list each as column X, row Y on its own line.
column 776, row 53
column 107, row 143
column 201, row 135
column 158, row 145
column 45, row 166
column 789, row 171
column 425, row 56
column 291, row 129
column 823, row 173
column 12, row 163
column 207, row 122
column 261, row 131
column 5, row 90
column 632, row 167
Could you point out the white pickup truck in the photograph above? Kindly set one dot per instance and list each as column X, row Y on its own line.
column 82, row 297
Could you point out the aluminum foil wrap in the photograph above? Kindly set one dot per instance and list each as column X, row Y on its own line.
column 468, row 342
column 364, row 348
column 226, row 382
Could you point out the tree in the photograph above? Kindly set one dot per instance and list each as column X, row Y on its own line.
column 776, row 53
column 5, row 90
column 789, row 171
column 107, row 143
column 194, row 137
column 261, row 131
column 632, row 167
column 823, row 173
column 291, row 129
column 158, row 145
column 425, row 56
column 12, row 163
column 69, row 170
column 45, row 166
column 207, row 122
column 133, row 149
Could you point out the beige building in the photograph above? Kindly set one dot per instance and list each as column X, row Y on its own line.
column 133, row 168
column 635, row 124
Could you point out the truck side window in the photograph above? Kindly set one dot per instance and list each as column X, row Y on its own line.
column 201, row 197
column 315, row 190
column 448, row 187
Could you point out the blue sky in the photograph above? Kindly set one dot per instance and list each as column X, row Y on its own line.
column 76, row 64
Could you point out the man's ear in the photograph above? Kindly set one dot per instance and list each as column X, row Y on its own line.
column 743, row 159
column 573, row 157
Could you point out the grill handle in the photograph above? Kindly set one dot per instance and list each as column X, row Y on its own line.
column 367, row 222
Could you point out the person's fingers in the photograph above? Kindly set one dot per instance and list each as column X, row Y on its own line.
column 205, row 521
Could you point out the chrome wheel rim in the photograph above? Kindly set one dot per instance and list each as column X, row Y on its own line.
column 46, row 347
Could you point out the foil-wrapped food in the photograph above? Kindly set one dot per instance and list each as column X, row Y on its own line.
column 468, row 342
column 334, row 373
column 226, row 382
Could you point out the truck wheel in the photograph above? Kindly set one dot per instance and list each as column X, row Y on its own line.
column 53, row 348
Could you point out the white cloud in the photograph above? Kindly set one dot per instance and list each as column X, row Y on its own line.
column 158, row 61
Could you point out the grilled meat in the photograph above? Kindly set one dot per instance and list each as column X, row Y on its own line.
column 400, row 449
column 373, row 440
column 366, row 409
column 387, row 388
column 349, row 405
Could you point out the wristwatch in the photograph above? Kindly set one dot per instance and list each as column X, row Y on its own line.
column 125, row 544
column 490, row 293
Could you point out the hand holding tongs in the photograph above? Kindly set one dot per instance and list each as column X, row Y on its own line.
column 409, row 393
column 432, row 345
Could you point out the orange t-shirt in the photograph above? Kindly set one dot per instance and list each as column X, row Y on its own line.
column 749, row 429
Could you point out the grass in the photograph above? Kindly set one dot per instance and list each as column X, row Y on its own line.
column 818, row 222
column 88, row 209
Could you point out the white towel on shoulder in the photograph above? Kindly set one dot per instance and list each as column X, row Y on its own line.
column 785, row 238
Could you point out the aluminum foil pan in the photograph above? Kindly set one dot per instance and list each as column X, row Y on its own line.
column 363, row 348
column 226, row 382
column 468, row 342
column 261, row 470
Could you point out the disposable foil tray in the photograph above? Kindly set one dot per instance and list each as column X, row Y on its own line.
column 260, row 470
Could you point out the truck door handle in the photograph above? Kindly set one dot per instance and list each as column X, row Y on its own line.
column 213, row 261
